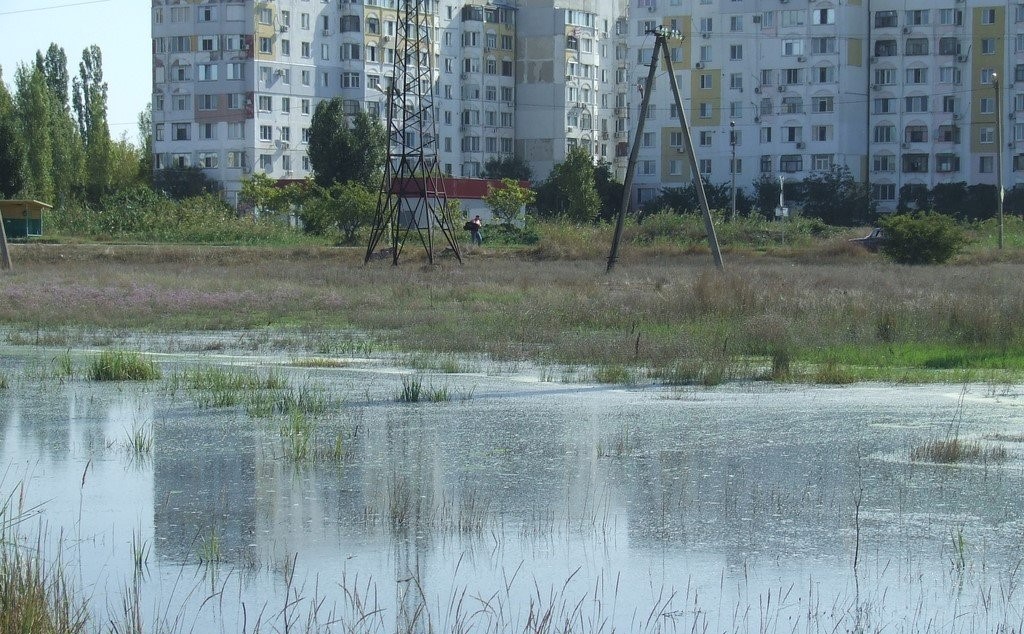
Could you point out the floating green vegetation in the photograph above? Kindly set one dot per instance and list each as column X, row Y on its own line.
column 953, row 451
column 441, row 362
column 217, row 387
column 122, row 365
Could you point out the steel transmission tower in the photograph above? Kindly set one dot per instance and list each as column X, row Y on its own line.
column 412, row 196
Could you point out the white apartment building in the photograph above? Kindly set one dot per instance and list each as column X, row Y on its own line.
column 902, row 95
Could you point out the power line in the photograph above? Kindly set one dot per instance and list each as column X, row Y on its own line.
column 58, row 6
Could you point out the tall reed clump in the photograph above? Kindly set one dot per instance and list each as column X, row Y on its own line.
column 953, row 450
column 4, row 381
column 35, row 596
column 122, row 365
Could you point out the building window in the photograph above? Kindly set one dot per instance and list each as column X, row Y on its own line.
column 705, row 138
column 266, row 133
column 181, row 131
column 885, row 19
column 987, row 135
column 706, row 81
column 821, row 162
column 947, row 163
column 949, row 46
column 736, row 52
column 917, row 46
column 266, row 163
column 915, row 134
column 884, row 134
column 208, row 160
column 883, row 192
column 915, row 163
column 988, row 16
column 986, row 164
column 885, row 48
column 915, row 104
column 917, row 76
column 790, row 163
column 883, row 163
column 705, row 167
column 823, row 16
column 766, row 164
column 988, row 105
column 266, row 45
column 265, row 103
column 988, row 46
column 951, row 17
column 821, row 104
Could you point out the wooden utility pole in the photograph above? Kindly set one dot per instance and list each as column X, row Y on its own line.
column 661, row 35
column 5, row 255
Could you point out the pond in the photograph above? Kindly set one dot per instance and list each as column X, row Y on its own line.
column 312, row 497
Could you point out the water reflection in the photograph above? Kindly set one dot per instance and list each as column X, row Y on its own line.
column 704, row 507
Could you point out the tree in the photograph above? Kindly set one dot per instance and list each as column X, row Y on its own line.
column 341, row 150
column 65, row 142
column 179, row 183
column 146, row 144
column 570, row 190
column 11, row 151
column 345, row 207
column 90, row 103
column 261, row 194
column 949, row 199
column 921, row 238
column 33, row 107
column 685, row 199
column 508, row 166
column 609, row 191
column 914, row 196
column 508, row 200
column 836, row 198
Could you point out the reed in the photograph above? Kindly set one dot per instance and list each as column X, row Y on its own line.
column 122, row 365
column 954, row 450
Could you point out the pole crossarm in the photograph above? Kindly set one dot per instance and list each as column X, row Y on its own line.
column 412, row 198
column 661, row 35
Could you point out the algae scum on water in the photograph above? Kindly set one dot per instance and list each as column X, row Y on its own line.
column 233, row 490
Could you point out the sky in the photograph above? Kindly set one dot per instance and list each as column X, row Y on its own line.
column 121, row 28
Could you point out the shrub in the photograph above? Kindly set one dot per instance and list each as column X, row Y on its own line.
column 921, row 238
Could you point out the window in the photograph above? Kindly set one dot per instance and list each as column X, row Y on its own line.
column 883, row 192
column 766, row 164
column 181, row 131
column 704, row 110
column 705, row 166
column 949, row 46
column 706, row 25
column 766, row 135
column 885, row 48
column 794, row 17
column 208, row 160
column 988, row 16
column 207, row 102
column 305, row 106
column 884, row 134
column 265, row 103
column 791, row 76
column 987, row 105
column 885, row 76
column 236, row 159
column 821, row 162
column 985, row 164
column 705, row 138
column 917, row 46
column 735, row 52
column 883, row 105
column 350, row 80
column 823, row 45
column 266, row 162
column 949, row 75
column 266, row 15
column 915, row 104
column 951, row 17
column 266, row 133
column 706, row 81
column 736, row 166
column 736, row 23
column 915, row 163
column 985, row 76
column 917, row 17
column 885, row 19
column 207, row 72
column 988, row 46
column 790, row 163
column 792, row 47
column 236, row 70
column 266, row 45
column 349, row 24
column 917, row 76
column 947, row 163
column 736, row 81
column 821, row 104
column 823, row 16
column 792, row 134
column 987, row 135
column 236, row 130
column 915, row 134
column 883, row 163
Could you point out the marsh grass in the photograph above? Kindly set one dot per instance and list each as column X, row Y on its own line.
column 122, row 365
column 867, row 315
column 615, row 374
column 210, row 548
column 954, row 450
column 307, row 398
column 139, row 440
column 318, row 362
column 4, row 381
column 411, row 391
column 63, row 366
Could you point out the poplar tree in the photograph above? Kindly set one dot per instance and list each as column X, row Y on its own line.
column 11, row 150
column 65, row 142
column 90, row 104
column 32, row 103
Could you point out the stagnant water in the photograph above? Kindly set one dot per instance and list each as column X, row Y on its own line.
column 521, row 503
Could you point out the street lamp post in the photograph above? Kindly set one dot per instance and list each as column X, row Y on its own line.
column 999, row 157
column 732, row 142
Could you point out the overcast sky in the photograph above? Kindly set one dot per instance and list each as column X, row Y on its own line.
column 121, row 28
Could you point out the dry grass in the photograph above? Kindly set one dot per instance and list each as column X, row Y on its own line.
column 658, row 309
column 955, row 450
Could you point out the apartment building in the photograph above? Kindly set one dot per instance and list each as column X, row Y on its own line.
column 901, row 95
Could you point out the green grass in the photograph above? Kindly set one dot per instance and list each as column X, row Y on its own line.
column 4, row 381
column 954, row 450
column 122, row 365
column 412, row 390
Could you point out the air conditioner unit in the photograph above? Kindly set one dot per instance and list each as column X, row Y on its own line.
column 961, row 58
column 1012, row 115
column 757, row 119
column 956, row 116
column 699, row 65
column 782, row 88
column 906, row 30
column 705, row 34
column 325, row 32
column 756, row 19
column 279, row 72
column 875, row 87
column 284, row 28
column 386, row 38
column 757, row 90
column 801, row 145
column 801, row 59
column 569, row 129
column 905, row 146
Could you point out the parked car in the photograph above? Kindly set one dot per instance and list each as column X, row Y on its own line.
column 873, row 241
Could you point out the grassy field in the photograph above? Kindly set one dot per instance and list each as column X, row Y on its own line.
column 820, row 310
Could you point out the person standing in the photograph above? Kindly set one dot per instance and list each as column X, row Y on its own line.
column 474, row 230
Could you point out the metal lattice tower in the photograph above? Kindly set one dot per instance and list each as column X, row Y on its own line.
column 412, row 196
